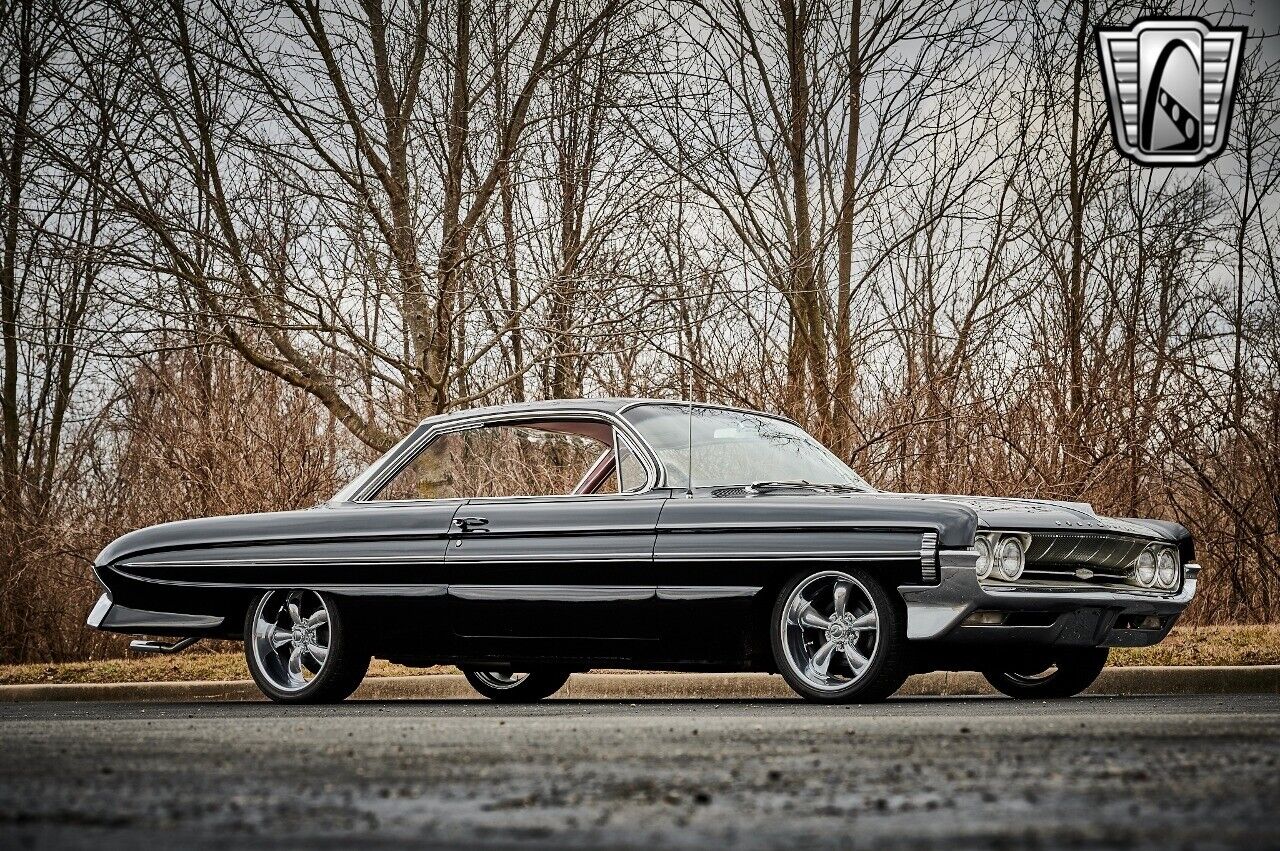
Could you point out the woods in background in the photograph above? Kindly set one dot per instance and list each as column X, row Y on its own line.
column 247, row 245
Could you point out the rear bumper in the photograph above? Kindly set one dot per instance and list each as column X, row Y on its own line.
column 1079, row 617
column 112, row 617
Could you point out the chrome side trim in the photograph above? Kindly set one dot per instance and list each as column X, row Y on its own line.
column 553, row 593
column 828, row 555
column 301, row 561
column 706, row 592
column 459, row 556
column 350, row 589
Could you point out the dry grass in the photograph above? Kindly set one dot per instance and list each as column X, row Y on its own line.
column 1208, row 645
column 1214, row 645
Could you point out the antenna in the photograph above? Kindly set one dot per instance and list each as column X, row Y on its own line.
column 688, row 494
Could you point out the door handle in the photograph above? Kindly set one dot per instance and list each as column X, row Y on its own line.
column 470, row 524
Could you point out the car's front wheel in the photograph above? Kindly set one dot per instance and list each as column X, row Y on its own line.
column 300, row 649
column 1072, row 672
column 516, row 686
column 837, row 637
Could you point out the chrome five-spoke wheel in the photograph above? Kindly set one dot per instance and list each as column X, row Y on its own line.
column 836, row 637
column 291, row 638
column 298, row 650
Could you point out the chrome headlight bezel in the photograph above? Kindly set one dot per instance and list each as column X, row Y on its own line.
column 986, row 556
column 1167, row 568
column 1158, row 567
column 1011, row 549
column 990, row 546
column 1144, row 568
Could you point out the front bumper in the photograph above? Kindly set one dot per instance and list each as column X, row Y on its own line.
column 1079, row 616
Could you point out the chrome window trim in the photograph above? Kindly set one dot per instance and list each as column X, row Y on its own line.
column 404, row 455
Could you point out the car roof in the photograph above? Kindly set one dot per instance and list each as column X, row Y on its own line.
column 605, row 405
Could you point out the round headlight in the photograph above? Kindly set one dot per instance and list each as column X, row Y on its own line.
column 1009, row 559
column 1145, row 570
column 983, row 546
column 1167, row 569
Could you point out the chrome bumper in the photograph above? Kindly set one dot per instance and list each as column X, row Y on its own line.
column 937, row 611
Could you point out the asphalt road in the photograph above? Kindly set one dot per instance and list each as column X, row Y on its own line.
column 1167, row 772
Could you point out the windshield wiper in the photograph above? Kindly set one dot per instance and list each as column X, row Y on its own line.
column 801, row 484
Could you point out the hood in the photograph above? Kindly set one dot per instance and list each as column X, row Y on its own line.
column 1044, row 515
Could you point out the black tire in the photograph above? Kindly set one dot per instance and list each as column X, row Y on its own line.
column 888, row 667
column 337, row 677
column 532, row 687
column 1075, row 671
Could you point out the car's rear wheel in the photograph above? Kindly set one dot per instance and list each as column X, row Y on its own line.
column 300, row 650
column 1072, row 672
column 516, row 686
column 837, row 637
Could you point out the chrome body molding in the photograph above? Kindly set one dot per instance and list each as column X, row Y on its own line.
column 794, row 555
column 552, row 593
column 99, row 611
column 929, row 557
column 707, row 592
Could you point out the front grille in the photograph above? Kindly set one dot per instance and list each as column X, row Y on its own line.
column 1083, row 558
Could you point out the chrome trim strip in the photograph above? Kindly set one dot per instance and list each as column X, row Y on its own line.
column 351, row 589
column 300, row 561
column 929, row 557
column 885, row 555
column 99, row 611
column 456, row 558
column 553, row 593
column 706, row 592
column 822, row 526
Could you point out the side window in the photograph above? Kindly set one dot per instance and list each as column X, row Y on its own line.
column 631, row 473
column 512, row 459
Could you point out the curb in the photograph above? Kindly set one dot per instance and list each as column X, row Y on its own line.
column 1253, row 679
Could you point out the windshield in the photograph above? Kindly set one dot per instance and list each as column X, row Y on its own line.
column 735, row 448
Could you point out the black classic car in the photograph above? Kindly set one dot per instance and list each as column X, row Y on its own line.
column 526, row 542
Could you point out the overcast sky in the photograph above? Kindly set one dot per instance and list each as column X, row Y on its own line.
column 1260, row 16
